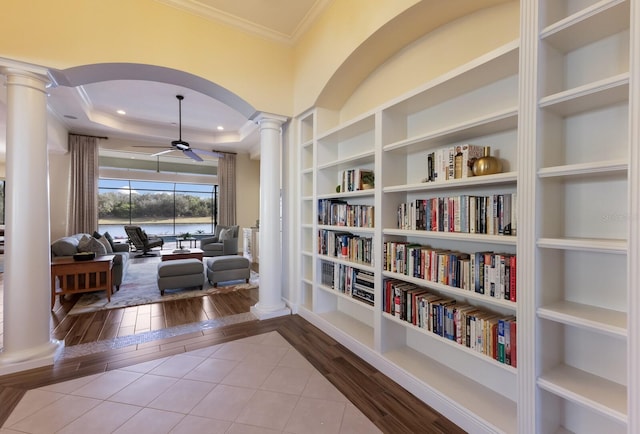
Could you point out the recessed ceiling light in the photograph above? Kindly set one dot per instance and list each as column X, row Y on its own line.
column 220, row 128
column 121, row 112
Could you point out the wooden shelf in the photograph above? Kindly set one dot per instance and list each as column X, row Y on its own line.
column 347, row 194
column 349, row 130
column 346, row 297
column 348, row 162
column 600, row 395
column 588, row 97
column 488, row 124
column 359, row 265
column 355, row 229
column 602, row 19
column 493, row 411
column 585, row 244
column 508, row 240
column 599, row 167
column 348, row 325
column 507, row 178
column 592, row 318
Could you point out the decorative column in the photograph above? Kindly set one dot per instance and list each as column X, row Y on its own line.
column 270, row 303
column 27, row 284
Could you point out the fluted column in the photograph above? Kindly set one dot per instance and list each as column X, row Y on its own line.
column 270, row 303
column 27, row 309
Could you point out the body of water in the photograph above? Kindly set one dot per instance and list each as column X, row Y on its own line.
column 163, row 230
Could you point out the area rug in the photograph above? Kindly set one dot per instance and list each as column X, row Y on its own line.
column 140, row 287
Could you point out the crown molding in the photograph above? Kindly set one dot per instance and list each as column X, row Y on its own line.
column 208, row 12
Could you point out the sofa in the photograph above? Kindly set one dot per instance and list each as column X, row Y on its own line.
column 77, row 243
column 223, row 242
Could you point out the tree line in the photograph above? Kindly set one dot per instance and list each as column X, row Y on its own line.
column 119, row 205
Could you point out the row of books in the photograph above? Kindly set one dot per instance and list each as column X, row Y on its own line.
column 494, row 214
column 351, row 281
column 485, row 332
column 489, row 273
column 453, row 162
column 340, row 213
column 345, row 245
column 354, row 179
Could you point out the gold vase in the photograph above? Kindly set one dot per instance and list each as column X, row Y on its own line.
column 486, row 165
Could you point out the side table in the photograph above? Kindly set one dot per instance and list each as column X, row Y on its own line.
column 74, row 277
column 190, row 240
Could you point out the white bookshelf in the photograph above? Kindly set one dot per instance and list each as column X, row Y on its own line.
column 560, row 108
column 306, row 214
column 580, row 279
column 393, row 141
column 484, row 409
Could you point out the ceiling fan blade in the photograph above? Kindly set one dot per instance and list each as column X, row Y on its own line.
column 189, row 153
column 205, row 152
column 166, row 151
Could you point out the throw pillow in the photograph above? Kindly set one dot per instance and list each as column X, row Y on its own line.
column 225, row 234
column 66, row 246
column 105, row 242
column 108, row 236
column 90, row 244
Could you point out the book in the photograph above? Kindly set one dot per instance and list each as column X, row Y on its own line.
column 470, row 153
column 514, row 339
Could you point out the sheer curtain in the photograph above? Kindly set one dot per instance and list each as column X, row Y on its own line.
column 227, row 182
column 83, row 195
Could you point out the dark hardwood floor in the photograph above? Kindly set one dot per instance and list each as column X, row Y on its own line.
column 109, row 324
column 389, row 406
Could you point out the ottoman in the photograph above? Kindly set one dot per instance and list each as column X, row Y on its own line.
column 225, row 268
column 180, row 273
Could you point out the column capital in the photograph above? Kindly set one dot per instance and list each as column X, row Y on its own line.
column 10, row 67
column 264, row 119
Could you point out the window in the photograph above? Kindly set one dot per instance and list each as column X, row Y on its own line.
column 160, row 208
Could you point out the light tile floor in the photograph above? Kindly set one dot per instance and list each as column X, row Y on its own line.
column 254, row 385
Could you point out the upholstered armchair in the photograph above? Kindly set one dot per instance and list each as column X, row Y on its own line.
column 141, row 241
column 223, row 242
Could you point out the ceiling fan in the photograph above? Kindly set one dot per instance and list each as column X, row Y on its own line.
column 181, row 145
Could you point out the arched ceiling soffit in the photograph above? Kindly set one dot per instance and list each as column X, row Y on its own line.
column 410, row 25
column 96, row 73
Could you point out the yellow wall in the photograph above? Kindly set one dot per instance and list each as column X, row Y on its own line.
column 248, row 192
column 353, row 38
column 330, row 41
column 68, row 33
column 435, row 54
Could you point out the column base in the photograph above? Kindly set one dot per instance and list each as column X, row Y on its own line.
column 32, row 358
column 262, row 314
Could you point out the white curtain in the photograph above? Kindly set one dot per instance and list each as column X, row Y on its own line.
column 227, row 182
column 83, row 194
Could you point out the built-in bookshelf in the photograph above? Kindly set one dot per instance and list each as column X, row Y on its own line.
column 583, row 148
column 557, row 109
column 307, row 239
column 396, row 142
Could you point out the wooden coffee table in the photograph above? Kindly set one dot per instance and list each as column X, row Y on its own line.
column 169, row 255
column 73, row 277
